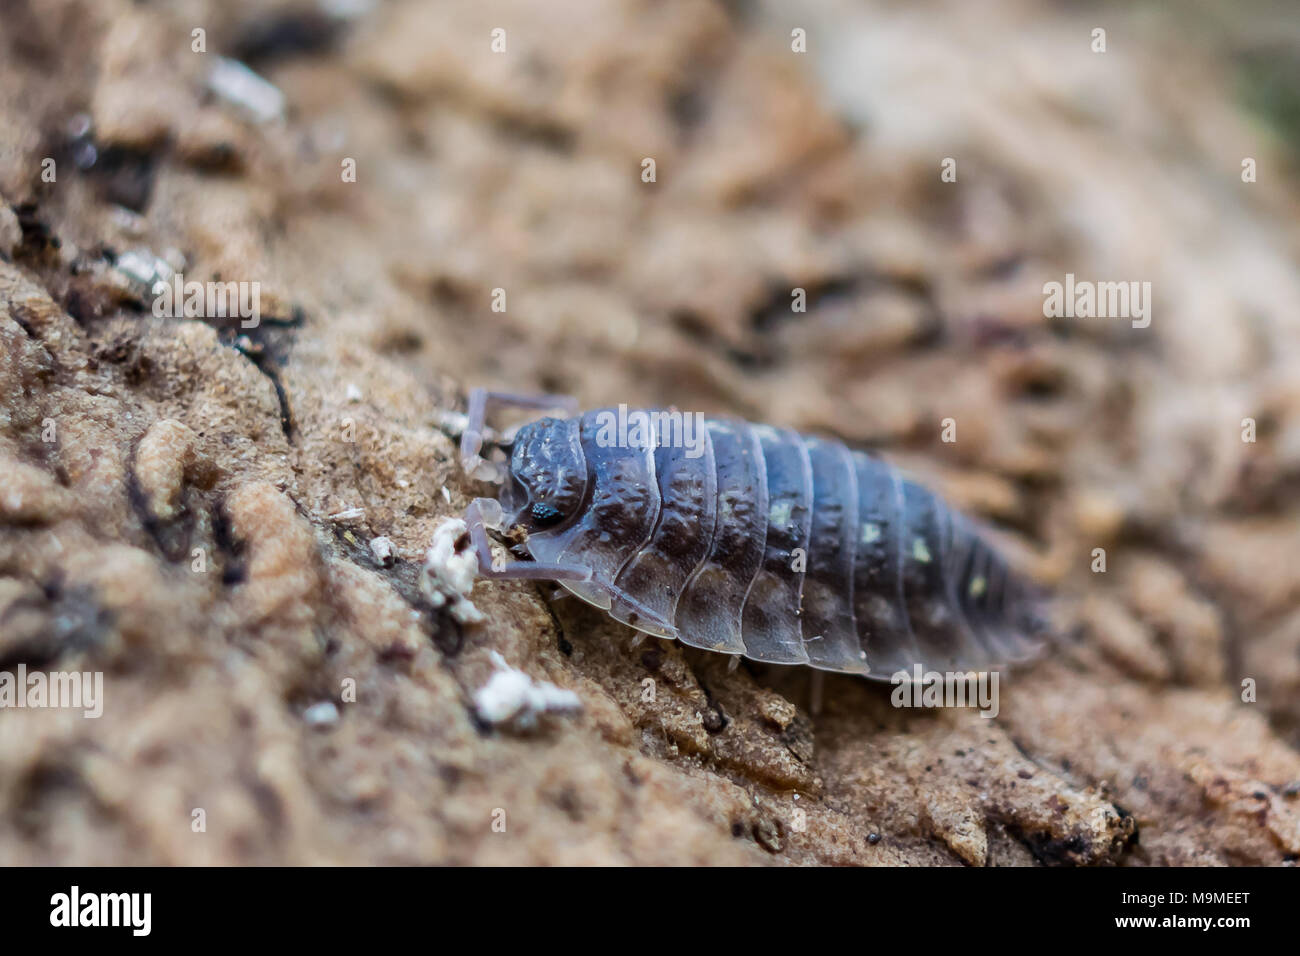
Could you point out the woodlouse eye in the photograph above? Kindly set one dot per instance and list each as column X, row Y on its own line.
column 544, row 515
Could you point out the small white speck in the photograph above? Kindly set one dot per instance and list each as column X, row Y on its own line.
column 323, row 714
column 353, row 393
column 382, row 549
column 143, row 270
column 348, row 514
column 512, row 697
column 237, row 84
column 453, row 423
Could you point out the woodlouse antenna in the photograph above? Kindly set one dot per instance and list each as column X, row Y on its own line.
column 471, row 439
column 483, row 513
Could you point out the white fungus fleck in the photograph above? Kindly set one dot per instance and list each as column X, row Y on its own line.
column 450, row 567
column 382, row 549
column 512, row 697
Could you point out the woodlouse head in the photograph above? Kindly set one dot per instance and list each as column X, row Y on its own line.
column 548, row 476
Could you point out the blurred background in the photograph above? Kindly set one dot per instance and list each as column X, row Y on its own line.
column 775, row 169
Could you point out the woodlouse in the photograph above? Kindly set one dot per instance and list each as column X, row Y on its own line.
column 781, row 547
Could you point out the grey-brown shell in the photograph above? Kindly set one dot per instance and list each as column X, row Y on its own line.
column 761, row 541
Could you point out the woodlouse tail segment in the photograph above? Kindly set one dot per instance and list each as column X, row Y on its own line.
column 1005, row 603
column 969, row 565
column 1030, row 618
column 480, row 402
column 1007, row 614
column 942, row 636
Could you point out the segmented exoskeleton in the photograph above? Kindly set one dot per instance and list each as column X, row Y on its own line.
column 759, row 541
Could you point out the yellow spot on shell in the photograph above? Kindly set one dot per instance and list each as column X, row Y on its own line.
column 920, row 551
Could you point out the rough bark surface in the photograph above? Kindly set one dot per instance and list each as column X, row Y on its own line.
column 187, row 505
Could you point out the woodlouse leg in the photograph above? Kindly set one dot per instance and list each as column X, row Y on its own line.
column 816, row 686
column 480, row 399
column 513, row 570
